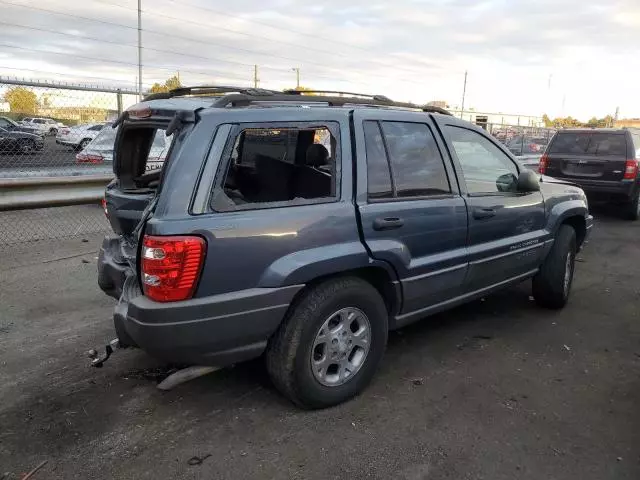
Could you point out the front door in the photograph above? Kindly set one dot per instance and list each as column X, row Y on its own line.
column 506, row 227
column 412, row 214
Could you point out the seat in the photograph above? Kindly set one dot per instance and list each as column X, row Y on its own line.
column 310, row 180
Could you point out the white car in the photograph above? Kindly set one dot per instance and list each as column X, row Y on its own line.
column 45, row 126
column 79, row 136
column 100, row 150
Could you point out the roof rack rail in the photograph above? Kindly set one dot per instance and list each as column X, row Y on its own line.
column 233, row 96
column 339, row 93
column 242, row 100
column 209, row 90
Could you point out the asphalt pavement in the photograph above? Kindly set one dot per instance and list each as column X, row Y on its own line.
column 497, row 389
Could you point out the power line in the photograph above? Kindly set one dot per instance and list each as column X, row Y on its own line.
column 297, row 32
column 48, row 72
column 121, row 62
column 251, row 35
column 131, row 45
column 208, row 43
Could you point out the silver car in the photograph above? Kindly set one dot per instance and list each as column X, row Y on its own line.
column 79, row 136
column 100, row 149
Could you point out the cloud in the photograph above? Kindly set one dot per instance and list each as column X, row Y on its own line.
column 410, row 50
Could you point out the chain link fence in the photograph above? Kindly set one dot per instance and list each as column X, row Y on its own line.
column 56, row 130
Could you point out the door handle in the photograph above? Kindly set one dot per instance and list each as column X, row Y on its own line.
column 480, row 213
column 387, row 223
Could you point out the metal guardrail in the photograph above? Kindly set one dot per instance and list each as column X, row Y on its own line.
column 26, row 193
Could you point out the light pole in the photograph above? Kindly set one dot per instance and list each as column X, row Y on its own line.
column 297, row 70
column 464, row 93
column 140, row 49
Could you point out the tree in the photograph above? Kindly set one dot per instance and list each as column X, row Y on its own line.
column 547, row 121
column 21, row 100
column 170, row 84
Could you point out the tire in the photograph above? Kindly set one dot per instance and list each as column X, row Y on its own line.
column 294, row 347
column 552, row 284
column 633, row 208
column 83, row 144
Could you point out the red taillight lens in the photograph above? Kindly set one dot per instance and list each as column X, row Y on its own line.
column 542, row 166
column 630, row 170
column 103, row 202
column 171, row 266
column 88, row 158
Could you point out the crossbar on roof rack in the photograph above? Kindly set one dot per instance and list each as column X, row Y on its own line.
column 209, row 90
column 339, row 93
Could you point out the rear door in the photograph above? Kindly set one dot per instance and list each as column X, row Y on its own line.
column 588, row 155
column 411, row 211
column 506, row 227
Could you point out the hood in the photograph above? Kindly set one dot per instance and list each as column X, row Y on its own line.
column 21, row 134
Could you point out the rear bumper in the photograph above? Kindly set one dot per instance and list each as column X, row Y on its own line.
column 216, row 330
column 622, row 189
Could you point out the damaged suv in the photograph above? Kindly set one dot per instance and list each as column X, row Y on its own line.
column 305, row 227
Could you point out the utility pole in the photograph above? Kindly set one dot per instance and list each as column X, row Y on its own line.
column 615, row 117
column 255, row 76
column 297, row 70
column 464, row 93
column 140, row 49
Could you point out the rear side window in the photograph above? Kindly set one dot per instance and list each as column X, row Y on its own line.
column 403, row 161
column 279, row 166
column 589, row 143
column 378, row 170
column 416, row 163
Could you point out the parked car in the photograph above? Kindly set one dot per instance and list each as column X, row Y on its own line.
column 255, row 238
column 14, row 141
column 604, row 162
column 46, row 126
column 100, row 149
column 525, row 145
column 79, row 136
column 12, row 126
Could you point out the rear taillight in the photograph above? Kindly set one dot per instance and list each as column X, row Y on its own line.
column 89, row 158
column 630, row 170
column 542, row 166
column 103, row 202
column 171, row 266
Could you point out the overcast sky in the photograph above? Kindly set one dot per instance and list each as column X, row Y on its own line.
column 569, row 57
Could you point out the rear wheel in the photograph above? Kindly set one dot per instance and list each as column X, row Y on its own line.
column 633, row 208
column 330, row 344
column 552, row 284
column 83, row 144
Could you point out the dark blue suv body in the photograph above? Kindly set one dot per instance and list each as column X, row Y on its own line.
column 306, row 227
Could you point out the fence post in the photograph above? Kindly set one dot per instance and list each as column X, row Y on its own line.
column 119, row 97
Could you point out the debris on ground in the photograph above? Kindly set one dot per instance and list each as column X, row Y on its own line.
column 417, row 382
column 195, row 460
column 33, row 472
column 567, row 348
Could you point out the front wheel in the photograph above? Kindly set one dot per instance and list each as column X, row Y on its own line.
column 83, row 144
column 330, row 344
column 552, row 284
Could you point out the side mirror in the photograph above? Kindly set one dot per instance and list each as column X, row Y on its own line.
column 528, row 181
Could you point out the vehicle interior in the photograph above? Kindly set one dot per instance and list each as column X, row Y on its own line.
column 269, row 165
